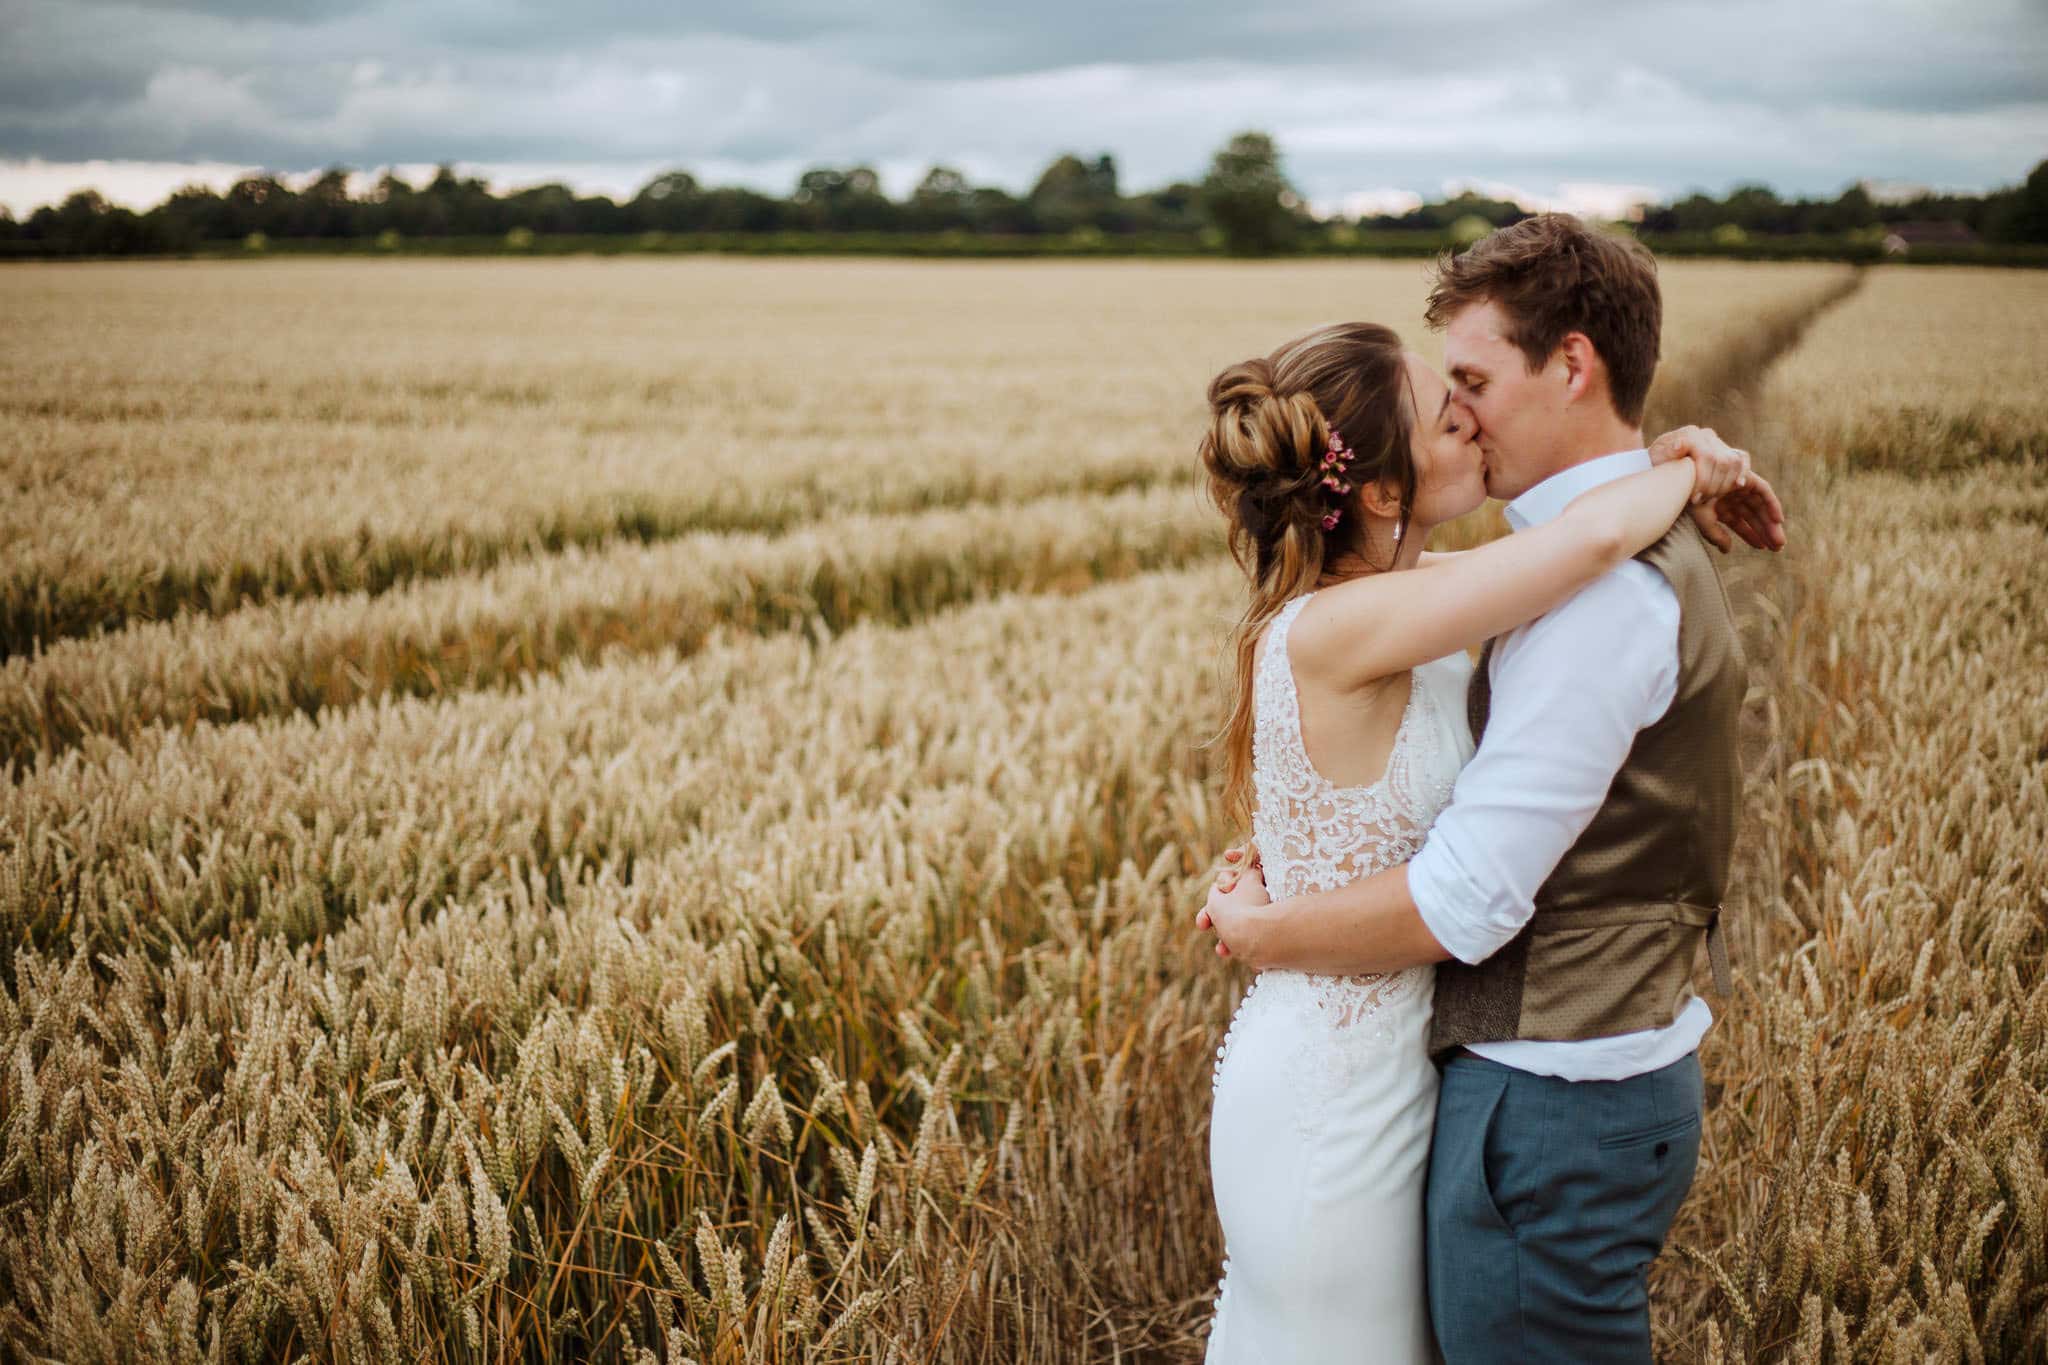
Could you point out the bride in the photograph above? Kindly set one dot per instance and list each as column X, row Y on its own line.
column 1332, row 460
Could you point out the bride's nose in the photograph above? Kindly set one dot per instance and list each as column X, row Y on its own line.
column 1468, row 424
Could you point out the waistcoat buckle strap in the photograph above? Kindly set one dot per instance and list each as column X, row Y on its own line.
column 1717, row 957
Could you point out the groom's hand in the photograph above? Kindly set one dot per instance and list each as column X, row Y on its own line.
column 1751, row 511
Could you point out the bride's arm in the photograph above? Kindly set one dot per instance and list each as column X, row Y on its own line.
column 1380, row 624
column 1750, row 509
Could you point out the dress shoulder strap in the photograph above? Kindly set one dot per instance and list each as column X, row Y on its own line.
column 1283, row 620
column 1273, row 664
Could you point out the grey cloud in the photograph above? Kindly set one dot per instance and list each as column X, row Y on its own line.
column 286, row 11
column 1655, row 92
column 1959, row 55
column 28, row 86
column 1836, row 51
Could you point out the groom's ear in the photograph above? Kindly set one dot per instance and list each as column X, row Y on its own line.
column 1583, row 369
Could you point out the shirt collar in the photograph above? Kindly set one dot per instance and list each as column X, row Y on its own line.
column 1548, row 498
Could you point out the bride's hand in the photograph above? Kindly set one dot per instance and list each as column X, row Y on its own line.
column 1239, row 886
column 1717, row 466
column 1751, row 511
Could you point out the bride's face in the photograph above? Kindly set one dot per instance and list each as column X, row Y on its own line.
column 1450, row 472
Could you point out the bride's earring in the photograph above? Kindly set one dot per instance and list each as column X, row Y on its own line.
column 1399, row 527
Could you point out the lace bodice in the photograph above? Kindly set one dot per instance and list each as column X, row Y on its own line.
column 1314, row 835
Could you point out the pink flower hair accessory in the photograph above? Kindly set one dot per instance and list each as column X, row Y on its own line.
column 1336, row 460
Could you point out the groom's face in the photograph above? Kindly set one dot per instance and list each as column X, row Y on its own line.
column 1517, row 409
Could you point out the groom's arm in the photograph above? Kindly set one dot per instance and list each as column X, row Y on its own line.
column 1570, row 692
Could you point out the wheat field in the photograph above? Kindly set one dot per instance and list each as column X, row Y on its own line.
column 650, row 809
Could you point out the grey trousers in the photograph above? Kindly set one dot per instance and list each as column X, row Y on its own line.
column 1547, row 1201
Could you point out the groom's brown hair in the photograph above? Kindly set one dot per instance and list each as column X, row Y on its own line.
column 1551, row 274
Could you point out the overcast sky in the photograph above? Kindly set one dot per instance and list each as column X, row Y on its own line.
column 1582, row 103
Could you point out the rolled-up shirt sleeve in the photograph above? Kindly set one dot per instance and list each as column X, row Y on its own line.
column 1570, row 691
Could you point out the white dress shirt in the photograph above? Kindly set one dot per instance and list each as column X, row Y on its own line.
column 1570, row 691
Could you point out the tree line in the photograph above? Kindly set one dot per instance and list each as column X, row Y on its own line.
column 1243, row 204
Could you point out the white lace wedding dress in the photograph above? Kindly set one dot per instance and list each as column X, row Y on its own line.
column 1325, row 1096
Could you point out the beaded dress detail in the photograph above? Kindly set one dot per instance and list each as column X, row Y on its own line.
column 1323, row 1089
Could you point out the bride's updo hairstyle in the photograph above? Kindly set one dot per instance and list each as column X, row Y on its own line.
column 1269, row 429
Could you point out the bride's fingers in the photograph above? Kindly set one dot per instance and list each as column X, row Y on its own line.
column 1734, row 470
column 1716, row 477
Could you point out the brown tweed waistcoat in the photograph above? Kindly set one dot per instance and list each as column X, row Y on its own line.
column 1617, row 926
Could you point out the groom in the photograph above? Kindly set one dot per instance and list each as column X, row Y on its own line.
column 1582, row 860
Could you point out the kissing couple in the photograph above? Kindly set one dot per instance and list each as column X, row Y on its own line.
column 1458, row 1107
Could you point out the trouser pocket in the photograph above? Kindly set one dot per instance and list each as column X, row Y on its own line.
column 1474, row 1272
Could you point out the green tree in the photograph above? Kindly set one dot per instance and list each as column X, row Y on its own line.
column 1468, row 204
column 943, row 199
column 1854, row 209
column 324, row 208
column 543, row 208
column 671, row 202
column 193, row 214
column 1247, row 197
column 942, row 182
column 1175, row 208
column 668, row 185
column 390, row 185
column 1757, row 208
column 848, row 200
column 997, row 210
column 2021, row 215
column 1073, row 193
column 260, row 203
column 460, row 204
